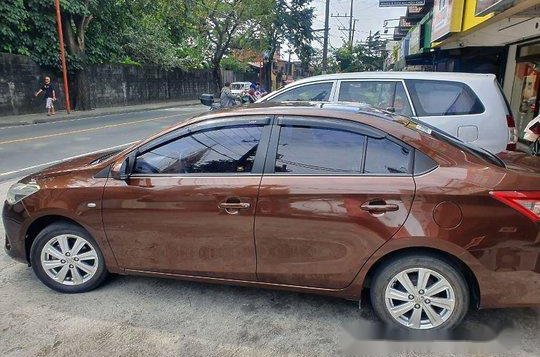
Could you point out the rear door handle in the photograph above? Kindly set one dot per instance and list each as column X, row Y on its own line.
column 372, row 207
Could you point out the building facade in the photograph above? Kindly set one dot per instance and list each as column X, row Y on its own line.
column 482, row 36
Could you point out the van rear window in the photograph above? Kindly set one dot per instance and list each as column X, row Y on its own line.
column 436, row 98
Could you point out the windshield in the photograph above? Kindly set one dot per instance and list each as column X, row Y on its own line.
column 479, row 152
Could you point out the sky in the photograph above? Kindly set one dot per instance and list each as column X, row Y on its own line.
column 370, row 17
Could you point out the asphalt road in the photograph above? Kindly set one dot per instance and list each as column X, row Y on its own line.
column 31, row 147
column 134, row 316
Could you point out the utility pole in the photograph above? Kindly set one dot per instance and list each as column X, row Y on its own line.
column 352, row 33
column 325, row 39
column 62, row 54
column 351, row 27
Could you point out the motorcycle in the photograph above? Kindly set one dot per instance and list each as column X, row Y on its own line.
column 209, row 100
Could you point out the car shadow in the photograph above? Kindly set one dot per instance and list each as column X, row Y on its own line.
column 359, row 324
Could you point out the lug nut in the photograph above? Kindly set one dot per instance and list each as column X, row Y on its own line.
column 63, row 261
column 411, row 296
column 68, row 254
column 427, row 301
column 76, row 259
column 71, row 266
column 417, row 306
column 421, row 292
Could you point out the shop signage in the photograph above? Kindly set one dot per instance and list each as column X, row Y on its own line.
column 415, row 10
column 404, row 22
column 400, row 3
column 447, row 16
column 484, row 7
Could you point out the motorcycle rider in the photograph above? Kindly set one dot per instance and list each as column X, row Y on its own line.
column 227, row 98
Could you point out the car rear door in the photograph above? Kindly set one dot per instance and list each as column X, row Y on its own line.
column 332, row 193
column 457, row 109
column 189, row 206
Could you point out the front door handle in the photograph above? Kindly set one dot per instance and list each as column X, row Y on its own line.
column 382, row 207
column 234, row 205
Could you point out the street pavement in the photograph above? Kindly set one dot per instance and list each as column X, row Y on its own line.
column 27, row 148
column 136, row 316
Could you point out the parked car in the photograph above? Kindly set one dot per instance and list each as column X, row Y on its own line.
column 468, row 106
column 240, row 87
column 325, row 199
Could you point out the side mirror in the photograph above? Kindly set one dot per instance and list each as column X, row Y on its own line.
column 120, row 170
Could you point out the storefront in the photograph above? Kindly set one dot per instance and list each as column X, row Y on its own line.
column 524, row 99
column 514, row 28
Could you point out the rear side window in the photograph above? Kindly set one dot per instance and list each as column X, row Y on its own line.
column 383, row 156
column 436, row 98
column 316, row 92
column 386, row 95
column 305, row 150
column 320, row 151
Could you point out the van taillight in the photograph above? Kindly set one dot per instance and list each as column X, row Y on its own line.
column 512, row 133
column 525, row 202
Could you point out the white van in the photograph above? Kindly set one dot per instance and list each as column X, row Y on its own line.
column 239, row 87
column 471, row 107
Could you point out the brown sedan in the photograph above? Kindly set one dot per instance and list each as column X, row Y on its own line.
column 338, row 201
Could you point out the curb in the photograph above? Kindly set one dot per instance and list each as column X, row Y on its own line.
column 89, row 114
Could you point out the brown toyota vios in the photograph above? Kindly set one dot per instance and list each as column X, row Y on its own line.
column 332, row 200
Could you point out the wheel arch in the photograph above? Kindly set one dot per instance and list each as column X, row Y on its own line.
column 461, row 266
column 41, row 223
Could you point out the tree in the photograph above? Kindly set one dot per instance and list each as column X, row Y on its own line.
column 367, row 56
column 289, row 21
column 222, row 22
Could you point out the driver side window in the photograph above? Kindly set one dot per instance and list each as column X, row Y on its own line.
column 216, row 150
column 316, row 92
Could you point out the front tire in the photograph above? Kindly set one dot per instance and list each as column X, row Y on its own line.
column 420, row 292
column 67, row 259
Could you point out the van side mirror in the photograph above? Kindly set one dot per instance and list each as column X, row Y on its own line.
column 120, row 171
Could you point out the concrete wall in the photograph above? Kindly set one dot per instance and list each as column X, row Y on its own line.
column 20, row 78
column 113, row 84
column 110, row 85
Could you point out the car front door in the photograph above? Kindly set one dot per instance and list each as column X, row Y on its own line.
column 188, row 206
column 332, row 193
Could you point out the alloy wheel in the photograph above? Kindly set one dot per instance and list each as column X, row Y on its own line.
column 69, row 259
column 420, row 298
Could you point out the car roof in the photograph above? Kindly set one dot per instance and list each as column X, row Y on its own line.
column 331, row 110
column 455, row 76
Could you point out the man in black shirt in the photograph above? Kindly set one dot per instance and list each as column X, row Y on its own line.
column 50, row 95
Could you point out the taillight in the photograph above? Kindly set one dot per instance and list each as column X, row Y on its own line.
column 525, row 202
column 512, row 133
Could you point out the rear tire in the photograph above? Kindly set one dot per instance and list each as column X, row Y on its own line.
column 67, row 259
column 420, row 292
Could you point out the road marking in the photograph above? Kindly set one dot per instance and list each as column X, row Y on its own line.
column 65, row 159
column 181, row 109
column 5, row 142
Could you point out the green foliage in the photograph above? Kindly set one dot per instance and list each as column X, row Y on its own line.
column 232, row 64
column 169, row 33
column 362, row 57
